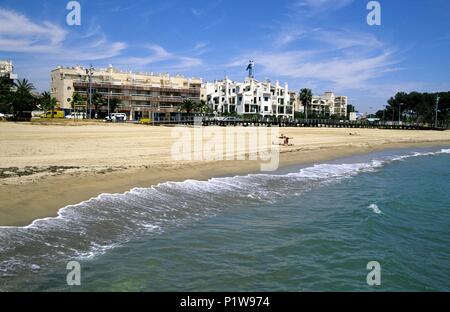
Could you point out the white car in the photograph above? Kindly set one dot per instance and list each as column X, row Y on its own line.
column 117, row 117
column 76, row 116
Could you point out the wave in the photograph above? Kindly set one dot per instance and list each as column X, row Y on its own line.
column 375, row 209
column 107, row 221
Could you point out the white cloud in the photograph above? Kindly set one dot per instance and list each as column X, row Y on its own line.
column 159, row 56
column 339, row 59
column 21, row 35
column 307, row 52
column 343, row 39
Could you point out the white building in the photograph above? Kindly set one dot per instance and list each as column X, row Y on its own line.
column 7, row 69
column 328, row 105
column 250, row 97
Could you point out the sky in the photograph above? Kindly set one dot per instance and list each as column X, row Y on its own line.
column 325, row 45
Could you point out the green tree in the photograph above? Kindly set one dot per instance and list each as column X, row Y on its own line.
column 22, row 99
column 97, row 101
column 77, row 101
column 5, row 94
column 113, row 104
column 47, row 102
column 418, row 107
column 188, row 106
column 306, row 98
column 202, row 107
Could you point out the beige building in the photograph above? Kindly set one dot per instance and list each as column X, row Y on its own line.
column 328, row 105
column 140, row 94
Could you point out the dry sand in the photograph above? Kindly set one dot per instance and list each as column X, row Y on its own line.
column 46, row 167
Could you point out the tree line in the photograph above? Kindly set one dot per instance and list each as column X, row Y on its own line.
column 417, row 107
column 18, row 99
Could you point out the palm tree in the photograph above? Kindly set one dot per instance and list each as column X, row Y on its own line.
column 113, row 104
column 5, row 94
column 97, row 102
column 76, row 101
column 188, row 106
column 202, row 107
column 48, row 102
column 22, row 98
column 306, row 98
column 24, row 86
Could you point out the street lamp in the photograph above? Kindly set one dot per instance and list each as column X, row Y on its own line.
column 436, row 117
column 109, row 96
column 90, row 73
column 399, row 112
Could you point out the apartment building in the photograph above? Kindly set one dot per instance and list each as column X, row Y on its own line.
column 139, row 94
column 250, row 97
column 328, row 104
column 7, row 69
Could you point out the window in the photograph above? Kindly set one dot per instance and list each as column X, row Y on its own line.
column 69, row 88
column 68, row 100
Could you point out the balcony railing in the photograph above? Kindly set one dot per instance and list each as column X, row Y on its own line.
column 125, row 86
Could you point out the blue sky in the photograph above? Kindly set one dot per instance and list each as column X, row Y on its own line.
column 325, row 45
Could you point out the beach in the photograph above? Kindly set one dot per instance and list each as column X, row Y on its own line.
column 45, row 167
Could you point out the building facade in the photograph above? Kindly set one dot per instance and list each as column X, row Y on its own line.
column 140, row 94
column 328, row 105
column 249, row 97
column 7, row 69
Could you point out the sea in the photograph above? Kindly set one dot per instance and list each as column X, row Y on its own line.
column 314, row 227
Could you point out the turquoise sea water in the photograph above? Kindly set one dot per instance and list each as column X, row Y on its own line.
column 309, row 228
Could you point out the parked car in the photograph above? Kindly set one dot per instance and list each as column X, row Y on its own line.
column 76, row 116
column 56, row 114
column 116, row 117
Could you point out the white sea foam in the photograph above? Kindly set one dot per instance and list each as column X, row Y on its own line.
column 420, row 154
column 375, row 209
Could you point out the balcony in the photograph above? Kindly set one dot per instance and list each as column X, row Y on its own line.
column 128, row 86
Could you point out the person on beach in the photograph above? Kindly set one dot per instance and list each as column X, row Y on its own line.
column 285, row 140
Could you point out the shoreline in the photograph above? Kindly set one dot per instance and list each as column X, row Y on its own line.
column 44, row 199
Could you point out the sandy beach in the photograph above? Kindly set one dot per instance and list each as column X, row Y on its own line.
column 46, row 167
